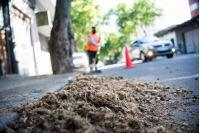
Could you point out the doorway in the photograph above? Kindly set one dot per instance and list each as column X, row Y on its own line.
column 192, row 41
column 4, row 61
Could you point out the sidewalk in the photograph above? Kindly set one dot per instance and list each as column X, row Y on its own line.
column 15, row 90
column 18, row 89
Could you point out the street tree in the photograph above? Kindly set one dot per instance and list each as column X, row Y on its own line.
column 84, row 15
column 141, row 14
column 61, row 44
column 111, row 46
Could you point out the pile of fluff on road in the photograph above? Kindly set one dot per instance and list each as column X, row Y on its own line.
column 100, row 104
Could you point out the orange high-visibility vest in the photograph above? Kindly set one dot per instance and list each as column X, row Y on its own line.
column 91, row 47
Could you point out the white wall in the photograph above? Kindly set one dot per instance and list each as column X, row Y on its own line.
column 24, row 50
column 42, row 56
column 169, row 36
column 21, row 34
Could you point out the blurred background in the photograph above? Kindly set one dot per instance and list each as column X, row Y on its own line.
column 43, row 46
column 25, row 27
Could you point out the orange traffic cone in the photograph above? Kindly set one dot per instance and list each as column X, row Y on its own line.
column 128, row 59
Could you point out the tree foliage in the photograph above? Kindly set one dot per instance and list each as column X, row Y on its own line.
column 142, row 14
column 84, row 15
column 111, row 46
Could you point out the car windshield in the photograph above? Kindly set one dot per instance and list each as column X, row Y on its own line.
column 78, row 57
column 149, row 39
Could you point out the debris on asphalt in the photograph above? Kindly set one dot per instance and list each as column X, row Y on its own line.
column 95, row 76
column 71, row 79
column 185, row 124
column 25, row 119
column 100, row 104
column 161, row 129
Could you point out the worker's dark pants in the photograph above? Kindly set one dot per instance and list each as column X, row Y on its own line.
column 92, row 55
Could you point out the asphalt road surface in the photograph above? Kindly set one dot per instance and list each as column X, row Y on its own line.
column 179, row 71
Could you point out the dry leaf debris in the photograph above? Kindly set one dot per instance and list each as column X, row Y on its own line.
column 100, row 104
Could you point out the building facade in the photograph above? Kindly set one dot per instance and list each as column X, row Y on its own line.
column 194, row 7
column 185, row 36
column 27, row 43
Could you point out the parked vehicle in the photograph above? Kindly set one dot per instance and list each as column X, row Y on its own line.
column 80, row 60
column 100, row 64
column 150, row 47
column 141, row 51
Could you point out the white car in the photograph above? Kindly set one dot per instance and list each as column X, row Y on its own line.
column 80, row 60
column 100, row 64
column 141, row 47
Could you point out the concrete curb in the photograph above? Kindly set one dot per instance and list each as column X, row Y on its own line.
column 62, row 87
column 9, row 117
column 6, row 119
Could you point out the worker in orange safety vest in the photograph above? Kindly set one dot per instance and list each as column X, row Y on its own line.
column 92, row 47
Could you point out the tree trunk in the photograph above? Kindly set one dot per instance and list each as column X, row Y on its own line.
column 143, row 28
column 61, row 45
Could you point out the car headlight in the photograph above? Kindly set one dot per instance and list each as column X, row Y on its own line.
column 173, row 50
column 150, row 53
